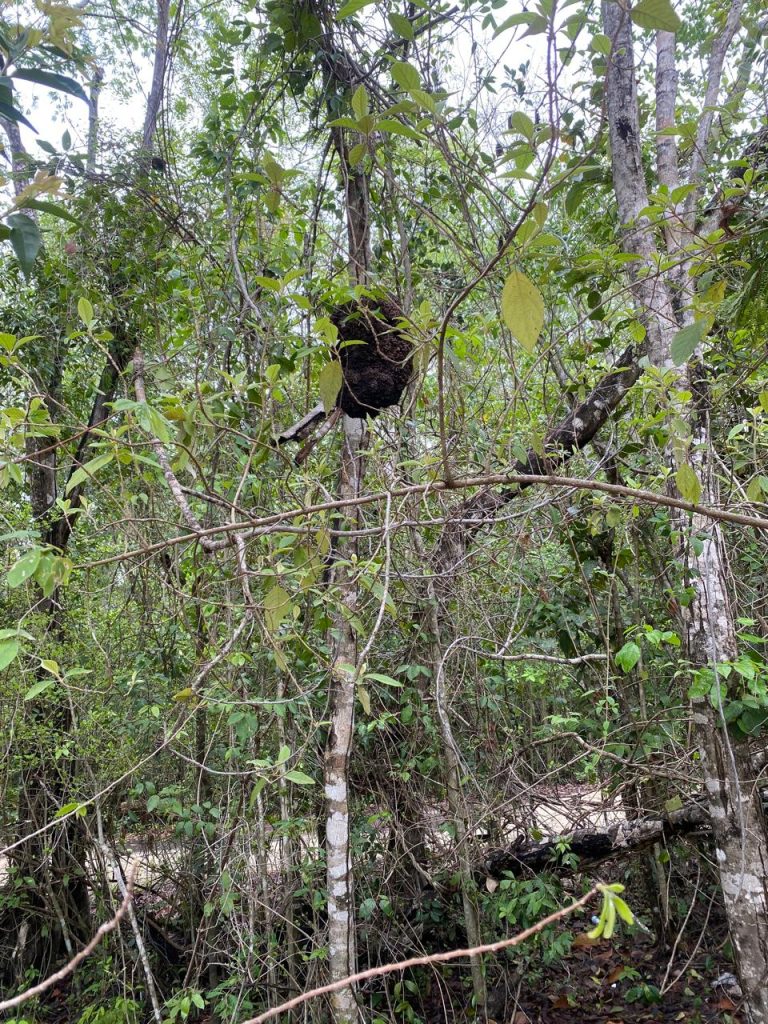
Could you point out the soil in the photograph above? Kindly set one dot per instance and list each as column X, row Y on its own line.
column 589, row 986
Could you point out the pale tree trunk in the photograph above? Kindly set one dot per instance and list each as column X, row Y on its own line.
column 93, row 119
column 341, row 906
column 664, row 304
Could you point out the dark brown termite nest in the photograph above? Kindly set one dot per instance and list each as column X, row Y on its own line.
column 376, row 372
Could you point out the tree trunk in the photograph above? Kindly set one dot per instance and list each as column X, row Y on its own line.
column 664, row 302
column 341, row 907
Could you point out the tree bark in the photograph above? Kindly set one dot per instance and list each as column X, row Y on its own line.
column 342, row 957
column 594, row 846
column 665, row 304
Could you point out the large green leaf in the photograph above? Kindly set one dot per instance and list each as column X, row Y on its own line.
column 688, row 483
column 8, row 651
column 9, row 111
column 352, row 8
column 53, row 208
column 685, row 342
column 523, row 309
column 655, row 15
column 52, row 80
column 405, row 75
column 25, row 239
column 24, row 568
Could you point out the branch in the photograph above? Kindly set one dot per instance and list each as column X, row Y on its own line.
column 422, row 961
column 77, row 959
column 591, row 846
column 170, row 477
column 478, row 511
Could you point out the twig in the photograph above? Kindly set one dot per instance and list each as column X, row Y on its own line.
column 271, row 523
column 422, row 961
column 77, row 959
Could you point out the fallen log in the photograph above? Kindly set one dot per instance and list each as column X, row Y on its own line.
column 584, row 848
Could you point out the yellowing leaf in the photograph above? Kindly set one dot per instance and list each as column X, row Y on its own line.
column 277, row 604
column 85, row 311
column 688, row 483
column 329, row 383
column 523, row 309
column 365, row 699
column 755, row 489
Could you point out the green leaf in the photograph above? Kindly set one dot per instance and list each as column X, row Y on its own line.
column 389, row 124
column 329, row 383
column 536, row 23
column 357, row 153
column 8, row 651
column 352, row 7
column 755, row 489
column 688, row 483
column 401, row 25
column 628, row 656
column 12, row 114
column 52, row 80
column 37, row 688
column 522, row 308
column 25, row 239
column 655, row 15
column 277, row 604
column 24, row 568
column 300, row 778
column 85, row 311
column 52, row 208
column 283, row 754
column 51, row 666
column 90, row 468
column 360, row 106
column 520, row 122
column 273, row 170
column 424, row 100
column 601, row 44
column 406, row 75
column 74, row 806
column 386, row 680
column 685, row 342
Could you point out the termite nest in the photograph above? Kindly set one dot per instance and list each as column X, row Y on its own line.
column 378, row 365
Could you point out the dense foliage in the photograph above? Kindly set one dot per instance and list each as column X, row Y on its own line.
column 329, row 703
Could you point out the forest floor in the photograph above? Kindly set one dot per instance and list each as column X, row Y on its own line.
column 620, row 982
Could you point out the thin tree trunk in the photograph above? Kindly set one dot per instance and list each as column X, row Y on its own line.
column 93, row 119
column 710, row 636
column 341, row 908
